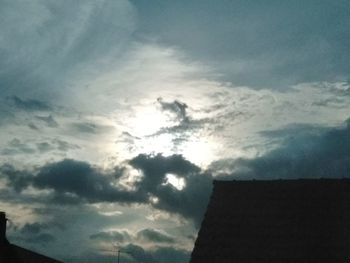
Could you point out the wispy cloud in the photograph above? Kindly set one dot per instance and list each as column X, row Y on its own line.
column 29, row 105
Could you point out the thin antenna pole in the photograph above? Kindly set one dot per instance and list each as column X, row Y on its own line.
column 117, row 252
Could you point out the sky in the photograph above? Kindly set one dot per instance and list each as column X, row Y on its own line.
column 117, row 115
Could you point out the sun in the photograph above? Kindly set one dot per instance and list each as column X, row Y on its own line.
column 147, row 121
column 200, row 151
column 151, row 133
column 147, row 133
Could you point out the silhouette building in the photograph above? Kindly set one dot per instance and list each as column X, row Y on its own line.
column 10, row 253
column 279, row 221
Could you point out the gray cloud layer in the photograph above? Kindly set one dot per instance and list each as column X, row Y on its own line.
column 29, row 105
column 269, row 44
column 74, row 181
column 152, row 235
column 45, row 43
column 147, row 235
column 310, row 155
column 137, row 254
column 306, row 152
column 112, row 236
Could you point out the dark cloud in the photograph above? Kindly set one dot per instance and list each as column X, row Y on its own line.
column 73, row 182
column 134, row 254
column 65, row 199
column 48, row 120
column 189, row 202
column 44, row 147
column 89, row 127
column 85, row 127
column 156, row 167
column 304, row 152
column 155, row 236
column 91, row 257
column 56, row 144
column 35, row 233
column 33, row 228
column 31, row 113
column 81, row 179
column 6, row 113
column 270, row 44
column 64, row 145
column 171, row 255
column 308, row 152
column 33, row 126
column 185, row 125
column 138, row 254
column 42, row 239
column 129, row 137
column 69, row 178
column 16, row 146
column 111, row 236
column 176, row 107
column 183, row 130
column 184, row 122
column 158, row 255
column 16, row 178
column 29, row 104
column 315, row 153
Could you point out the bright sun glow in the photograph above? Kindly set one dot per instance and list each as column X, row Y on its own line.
column 157, row 144
column 151, row 133
column 147, row 121
column 200, row 152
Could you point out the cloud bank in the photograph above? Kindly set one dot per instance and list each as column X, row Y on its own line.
column 78, row 181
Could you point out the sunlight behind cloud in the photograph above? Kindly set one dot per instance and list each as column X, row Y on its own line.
column 199, row 151
column 178, row 182
column 147, row 121
column 158, row 144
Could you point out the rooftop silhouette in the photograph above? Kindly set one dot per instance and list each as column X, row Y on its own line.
column 277, row 221
column 10, row 253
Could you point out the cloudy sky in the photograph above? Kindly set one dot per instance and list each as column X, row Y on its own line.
column 116, row 115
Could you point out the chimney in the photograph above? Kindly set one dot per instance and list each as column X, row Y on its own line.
column 3, row 220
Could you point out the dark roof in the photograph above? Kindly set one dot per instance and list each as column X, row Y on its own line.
column 10, row 253
column 278, row 221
